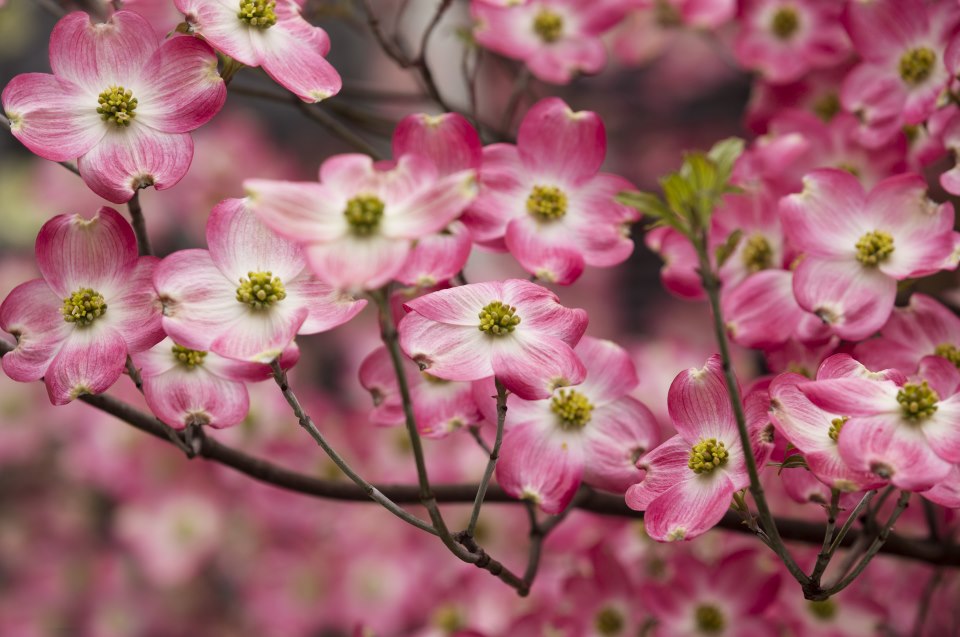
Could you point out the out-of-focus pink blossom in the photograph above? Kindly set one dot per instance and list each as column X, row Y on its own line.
column 93, row 306
column 545, row 199
column 513, row 330
column 248, row 296
column 272, row 35
column 120, row 102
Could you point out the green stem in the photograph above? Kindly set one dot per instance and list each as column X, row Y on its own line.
column 306, row 422
column 494, row 456
column 851, row 519
column 712, row 287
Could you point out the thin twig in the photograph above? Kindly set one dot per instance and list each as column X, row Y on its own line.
column 475, row 434
column 494, row 456
column 280, row 376
column 851, row 519
column 823, row 557
column 139, row 224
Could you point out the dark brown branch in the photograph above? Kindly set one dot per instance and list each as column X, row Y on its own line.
column 594, row 502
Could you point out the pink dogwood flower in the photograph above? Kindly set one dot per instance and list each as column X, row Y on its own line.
column 556, row 39
column 857, row 245
column 691, row 478
column 120, row 102
column 270, row 34
column 924, row 327
column 514, row 330
column 904, row 432
column 784, row 39
column 440, row 406
column 358, row 225
column 193, row 387
column 910, row 53
column 593, row 432
column 546, row 200
column 453, row 145
column 93, row 306
column 249, row 295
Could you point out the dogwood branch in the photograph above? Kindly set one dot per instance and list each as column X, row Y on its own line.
column 139, row 223
column 494, row 456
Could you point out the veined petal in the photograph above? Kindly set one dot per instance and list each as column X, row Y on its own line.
column 96, row 56
column 559, row 63
column 432, row 208
column 532, row 366
column 556, row 142
column 182, row 89
column 182, row 396
column 943, row 430
column 503, row 193
column 852, row 396
column 260, row 335
column 761, row 311
column 447, row 139
column 541, row 468
column 306, row 212
column 198, row 301
column 327, row 307
column 441, row 408
column 437, row 257
column 947, row 492
column 292, row 54
column 540, row 311
column 460, row 305
column 51, row 117
column 826, row 219
column 358, row 263
column 135, row 157
column 135, row 311
column 602, row 224
column 218, row 23
column 89, row 362
column 699, row 404
column 73, row 252
column 451, row 352
column 690, row 508
column 803, row 424
column 611, row 373
column 32, row 313
column 665, row 466
column 239, row 244
column 157, row 360
column 618, row 434
column 543, row 251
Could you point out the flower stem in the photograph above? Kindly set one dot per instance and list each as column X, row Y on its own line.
column 306, row 422
column 494, row 456
column 712, row 287
column 823, row 557
column 139, row 224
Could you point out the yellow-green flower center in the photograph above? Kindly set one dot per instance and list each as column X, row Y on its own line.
column 83, row 307
column 547, row 203
column 117, row 105
column 709, row 619
column 917, row 402
column 949, row 352
column 498, row 318
column 917, row 64
column 548, row 25
column 707, row 455
column 874, row 247
column 188, row 357
column 364, row 213
column 836, row 426
column 785, row 22
column 827, row 106
column 823, row 609
column 259, row 14
column 609, row 622
column 260, row 290
column 757, row 254
column 572, row 408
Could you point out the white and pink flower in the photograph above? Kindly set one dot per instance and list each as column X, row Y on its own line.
column 120, row 101
column 857, row 245
column 93, row 306
column 359, row 224
column 545, row 199
column 514, row 330
column 270, row 34
column 593, row 433
column 249, row 296
column 690, row 479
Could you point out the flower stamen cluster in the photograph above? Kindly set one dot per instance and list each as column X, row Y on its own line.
column 709, row 619
column 917, row 64
column 757, row 254
column 823, row 609
column 949, row 352
column 364, row 213
column 260, row 290
column 918, row 402
column 609, row 621
column 83, row 307
column 117, row 105
column 498, row 319
column 548, row 25
column 188, row 357
column 259, row 14
column 547, row 203
column 572, row 408
column 785, row 23
column 836, row 426
column 707, row 455
column 874, row 247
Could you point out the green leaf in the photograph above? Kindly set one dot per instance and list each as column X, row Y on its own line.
column 647, row 203
column 727, row 248
column 724, row 154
